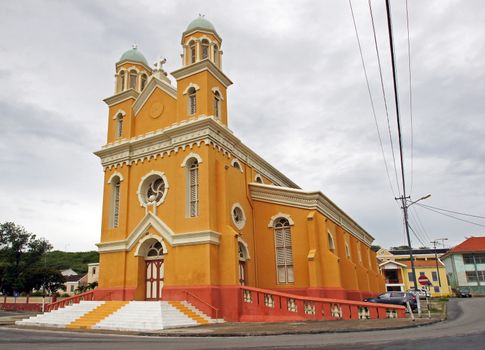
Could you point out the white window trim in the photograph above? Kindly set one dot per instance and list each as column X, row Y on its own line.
column 115, row 174
column 118, row 112
column 331, row 242
column 191, row 155
column 258, row 177
column 141, row 195
column 216, row 89
column 234, row 161
column 280, row 215
column 276, row 256
column 188, row 198
column 112, row 201
column 140, row 246
column 242, row 223
column 348, row 252
column 191, row 85
column 240, row 240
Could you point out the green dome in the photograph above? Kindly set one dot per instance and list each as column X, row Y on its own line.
column 201, row 23
column 135, row 56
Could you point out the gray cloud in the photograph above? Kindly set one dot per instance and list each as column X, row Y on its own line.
column 299, row 100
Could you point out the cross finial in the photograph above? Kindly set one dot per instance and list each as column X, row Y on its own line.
column 201, row 15
column 134, row 46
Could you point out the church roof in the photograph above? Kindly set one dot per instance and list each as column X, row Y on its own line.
column 134, row 55
column 200, row 23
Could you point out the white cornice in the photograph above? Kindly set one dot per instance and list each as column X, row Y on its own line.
column 185, row 134
column 310, row 200
column 152, row 221
column 133, row 62
column 200, row 66
column 153, row 84
column 122, row 96
column 200, row 30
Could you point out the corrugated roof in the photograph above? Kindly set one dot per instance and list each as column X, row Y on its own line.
column 472, row 244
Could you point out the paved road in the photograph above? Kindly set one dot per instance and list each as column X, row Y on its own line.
column 464, row 330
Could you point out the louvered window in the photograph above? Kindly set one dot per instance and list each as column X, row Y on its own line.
column 193, row 188
column 217, row 104
column 284, row 255
column 192, row 51
column 192, row 106
column 133, row 76
column 115, row 204
column 119, row 125
column 205, row 49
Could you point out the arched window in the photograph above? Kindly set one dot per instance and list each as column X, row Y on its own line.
column 192, row 105
column 115, row 201
column 192, row 166
column 155, row 250
column 143, row 81
column 119, row 125
column 133, row 75
column 284, row 255
column 192, row 51
column 216, row 55
column 205, row 49
column 258, row 179
column 347, row 249
column 217, row 104
column 331, row 242
column 236, row 165
column 359, row 252
column 122, row 81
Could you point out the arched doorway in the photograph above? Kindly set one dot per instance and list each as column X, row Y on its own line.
column 154, row 271
column 243, row 256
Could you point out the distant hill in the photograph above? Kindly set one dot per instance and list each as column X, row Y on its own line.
column 78, row 261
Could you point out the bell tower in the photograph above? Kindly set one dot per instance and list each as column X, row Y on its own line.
column 201, row 84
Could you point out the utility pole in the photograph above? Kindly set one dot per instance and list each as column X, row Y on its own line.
column 436, row 256
column 404, row 199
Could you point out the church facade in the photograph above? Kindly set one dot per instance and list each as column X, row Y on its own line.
column 188, row 208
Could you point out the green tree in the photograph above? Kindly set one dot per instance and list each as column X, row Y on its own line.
column 21, row 264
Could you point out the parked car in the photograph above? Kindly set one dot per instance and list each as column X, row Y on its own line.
column 462, row 292
column 396, row 298
column 421, row 292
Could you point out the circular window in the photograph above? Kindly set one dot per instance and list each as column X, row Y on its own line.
column 238, row 217
column 153, row 189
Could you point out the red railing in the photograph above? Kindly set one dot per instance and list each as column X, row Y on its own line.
column 203, row 306
column 267, row 305
column 75, row 299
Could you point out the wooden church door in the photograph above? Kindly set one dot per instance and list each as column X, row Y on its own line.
column 154, row 272
column 154, row 279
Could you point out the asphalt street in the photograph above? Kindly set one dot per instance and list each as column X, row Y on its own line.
column 465, row 329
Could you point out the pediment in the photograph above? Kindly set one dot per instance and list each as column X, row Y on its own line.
column 153, row 84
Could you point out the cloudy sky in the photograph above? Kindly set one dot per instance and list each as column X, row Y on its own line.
column 299, row 99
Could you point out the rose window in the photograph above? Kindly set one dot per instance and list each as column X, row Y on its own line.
column 155, row 190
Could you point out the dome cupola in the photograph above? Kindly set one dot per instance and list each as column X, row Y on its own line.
column 134, row 55
column 200, row 23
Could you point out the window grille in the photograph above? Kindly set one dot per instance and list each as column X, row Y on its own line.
column 284, row 255
column 194, row 189
column 217, row 104
column 122, row 80
column 192, row 51
column 119, row 126
column 205, row 49
column 143, row 82
column 116, row 203
column 192, row 103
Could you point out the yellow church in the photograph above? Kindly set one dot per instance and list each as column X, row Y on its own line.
column 190, row 211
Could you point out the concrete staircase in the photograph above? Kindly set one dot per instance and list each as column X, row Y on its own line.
column 61, row 317
column 144, row 316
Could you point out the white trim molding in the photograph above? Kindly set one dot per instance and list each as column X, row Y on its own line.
column 187, row 134
column 280, row 215
column 118, row 112
column 239, row 166
column 115, row 174
column 150, row 221
column 191, row 85
column 151, row 236
column 143, row 185
column 240, row 225
column 216, row 88
column 245, row 245
column 309, row 200
column 189, row 156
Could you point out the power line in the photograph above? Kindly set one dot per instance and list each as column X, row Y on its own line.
column 417, row 237
column 372, row 103
column 421, row 224
column 451, row 216
column 410, row 99
column 384, row 95
column 451, row 211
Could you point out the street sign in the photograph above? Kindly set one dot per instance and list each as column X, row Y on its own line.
column 423, row 280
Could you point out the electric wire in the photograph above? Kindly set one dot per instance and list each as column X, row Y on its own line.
column 372, row 103
column 451, row 211
column 451, row 216
column 384, row 97
column 418, row 226
column 417, row 237
column 410, row 100
column 420, row 223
